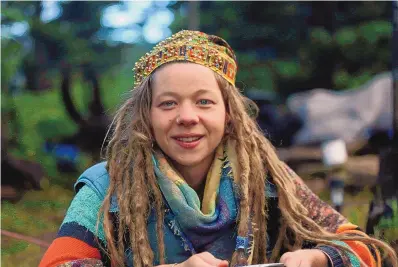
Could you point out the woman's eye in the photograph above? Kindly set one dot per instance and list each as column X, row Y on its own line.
column 205, row 102
column 168, row 104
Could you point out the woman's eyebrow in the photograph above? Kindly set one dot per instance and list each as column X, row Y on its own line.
column 174, row 94
column 203, row 91
column 167, row 93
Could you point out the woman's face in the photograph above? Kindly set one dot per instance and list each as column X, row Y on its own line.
column 188, row 113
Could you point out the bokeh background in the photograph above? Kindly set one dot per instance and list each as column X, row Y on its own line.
column 67, row 65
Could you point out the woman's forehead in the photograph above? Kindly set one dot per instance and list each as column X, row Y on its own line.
column 184, row 78
column 179, row 70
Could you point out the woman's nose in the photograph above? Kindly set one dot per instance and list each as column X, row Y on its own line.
column 187, row 116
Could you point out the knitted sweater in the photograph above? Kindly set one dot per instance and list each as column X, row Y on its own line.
column 79, row 242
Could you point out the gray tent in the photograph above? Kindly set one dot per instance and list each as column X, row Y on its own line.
column 346, row 115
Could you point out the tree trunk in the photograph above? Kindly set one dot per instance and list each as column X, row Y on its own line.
column 193, row 15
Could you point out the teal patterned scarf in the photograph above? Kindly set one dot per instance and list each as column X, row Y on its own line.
column 210, row 225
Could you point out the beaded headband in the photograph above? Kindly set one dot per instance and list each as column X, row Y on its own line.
column 208, row 50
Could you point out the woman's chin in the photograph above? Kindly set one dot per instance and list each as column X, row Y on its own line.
column 188, row 162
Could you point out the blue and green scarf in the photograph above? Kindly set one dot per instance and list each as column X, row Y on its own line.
column 210, row 225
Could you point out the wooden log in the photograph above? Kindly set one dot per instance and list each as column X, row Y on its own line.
column 26, row 238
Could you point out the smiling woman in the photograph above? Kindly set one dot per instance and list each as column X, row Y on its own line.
column 190, row 180
column 188, row 117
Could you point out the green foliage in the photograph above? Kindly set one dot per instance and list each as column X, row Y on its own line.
column 11, row 52
column 311, row 50
column 41, row 117
column 388, row 227
column 31, row 118
column 258, row 76
column 12, row 13
column 15, row 247
column 345, row 36
column 19, row 253
column 321, row 36
column 286, row 68
column 71, row 38
column 342, row 79
column 373, row 31
column 38, row 214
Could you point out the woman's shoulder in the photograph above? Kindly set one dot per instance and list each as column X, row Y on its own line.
column 96, row 177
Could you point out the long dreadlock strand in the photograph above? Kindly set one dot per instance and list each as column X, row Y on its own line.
column 141, row 209
column 244, row 208
column 258, row 203
column 159, row 206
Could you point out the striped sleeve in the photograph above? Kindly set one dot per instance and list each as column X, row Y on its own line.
column 332, row 221
column 78, row 237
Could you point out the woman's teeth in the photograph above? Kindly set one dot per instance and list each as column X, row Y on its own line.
column 188, row 139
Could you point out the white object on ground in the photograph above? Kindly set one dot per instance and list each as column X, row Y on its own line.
column 334, row 152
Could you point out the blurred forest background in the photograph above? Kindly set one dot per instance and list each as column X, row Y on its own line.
column 66, row 65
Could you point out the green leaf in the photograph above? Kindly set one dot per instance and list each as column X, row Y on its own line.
column 374, row 30
column 285, row 68
column 320, row 34
column 13, row 14
column 341, row 79
column 346, row 36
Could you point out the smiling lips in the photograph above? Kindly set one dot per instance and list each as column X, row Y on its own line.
column 188, row 141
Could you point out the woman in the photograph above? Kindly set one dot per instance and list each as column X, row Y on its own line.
column 191, row 181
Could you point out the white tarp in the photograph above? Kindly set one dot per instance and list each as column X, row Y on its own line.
column 346, row 115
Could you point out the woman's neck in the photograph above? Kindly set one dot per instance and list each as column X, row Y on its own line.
column 195, row 176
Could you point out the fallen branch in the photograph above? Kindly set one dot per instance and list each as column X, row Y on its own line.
column 28, row 239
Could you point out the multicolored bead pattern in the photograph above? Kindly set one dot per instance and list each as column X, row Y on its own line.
column 193, row 46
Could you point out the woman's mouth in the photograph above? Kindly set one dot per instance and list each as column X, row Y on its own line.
column 188, row 142
column 188, row 139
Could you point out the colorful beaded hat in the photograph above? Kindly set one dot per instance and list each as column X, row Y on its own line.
column 208, row 50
